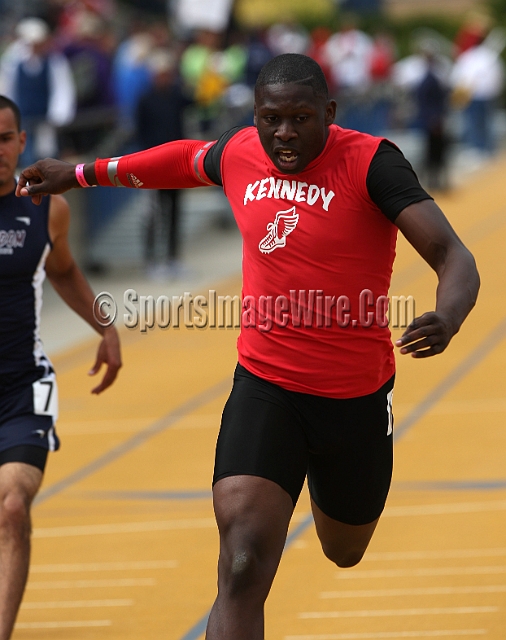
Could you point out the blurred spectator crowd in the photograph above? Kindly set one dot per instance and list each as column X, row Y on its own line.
column 89, row 84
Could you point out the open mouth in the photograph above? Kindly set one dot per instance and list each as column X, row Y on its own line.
column 287, row 158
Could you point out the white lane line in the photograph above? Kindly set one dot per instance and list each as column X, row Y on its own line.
column 124, row 527
column 71, row 624
column 392, row 635
column 135, row 527
column 205, row 523
column 429, row 571
column 390, row 613
column 103, row 566
column 380, row 556
column 444, row 509
column 77, row 604
column 86, row 584
column 417, row 591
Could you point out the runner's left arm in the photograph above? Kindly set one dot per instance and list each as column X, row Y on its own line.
column 394, row 188
column 70, row 283
column 427, row 229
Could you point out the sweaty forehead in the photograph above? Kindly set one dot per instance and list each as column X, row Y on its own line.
column 290, row 94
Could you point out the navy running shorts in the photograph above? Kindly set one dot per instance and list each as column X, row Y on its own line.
column 28, row 410
column 343, row 446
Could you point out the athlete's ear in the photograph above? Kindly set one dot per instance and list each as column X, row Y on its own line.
column 22, row 141
column 330, row 112
column 255, row 114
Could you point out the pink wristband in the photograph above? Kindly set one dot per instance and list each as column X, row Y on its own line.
column 80, row 176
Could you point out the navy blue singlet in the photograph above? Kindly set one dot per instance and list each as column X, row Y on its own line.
column 24, row 246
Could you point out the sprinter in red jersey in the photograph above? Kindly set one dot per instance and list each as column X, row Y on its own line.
column 318, row 208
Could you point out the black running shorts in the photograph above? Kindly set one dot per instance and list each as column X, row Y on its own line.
column 27, row 433
column 345, row 447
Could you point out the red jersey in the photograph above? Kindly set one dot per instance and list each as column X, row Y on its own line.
column 317, row 263
column 317, row 256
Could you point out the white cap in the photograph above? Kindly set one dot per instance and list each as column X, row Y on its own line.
column 32, row 30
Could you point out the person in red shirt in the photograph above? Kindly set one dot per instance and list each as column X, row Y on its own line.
column 318, row 207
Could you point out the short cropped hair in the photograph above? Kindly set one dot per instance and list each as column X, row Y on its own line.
column 7, row 103
column 294, row 68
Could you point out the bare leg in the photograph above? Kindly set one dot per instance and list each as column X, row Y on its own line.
column 253, row 516
column 344, row 544
column 19, row 483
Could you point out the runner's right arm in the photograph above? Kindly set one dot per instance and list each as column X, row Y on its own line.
column 181, row 164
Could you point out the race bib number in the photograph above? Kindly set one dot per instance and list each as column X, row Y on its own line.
column 45, row 396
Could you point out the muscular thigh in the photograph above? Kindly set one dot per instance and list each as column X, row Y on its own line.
column 261, row 435
column 351, row 455
column 21, row 479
